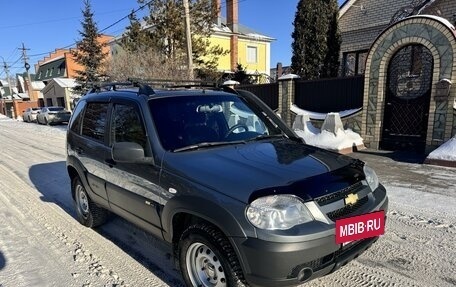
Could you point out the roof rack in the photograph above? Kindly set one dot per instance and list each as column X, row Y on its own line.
column 145, row 85
column 144, row 89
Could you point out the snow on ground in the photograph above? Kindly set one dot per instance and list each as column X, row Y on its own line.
column 42, row 244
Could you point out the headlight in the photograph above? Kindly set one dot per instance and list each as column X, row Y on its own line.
column 371, row 177
column 278, row 212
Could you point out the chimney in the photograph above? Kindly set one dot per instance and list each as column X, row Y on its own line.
column 217, row 5
column 232, row 23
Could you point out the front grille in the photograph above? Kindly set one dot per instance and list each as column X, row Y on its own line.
column 347, row 209
column 341, row 194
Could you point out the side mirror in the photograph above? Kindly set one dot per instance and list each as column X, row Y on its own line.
column 127, row 152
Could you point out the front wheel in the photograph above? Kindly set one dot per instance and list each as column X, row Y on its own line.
column 207, row 259
column 88, row 213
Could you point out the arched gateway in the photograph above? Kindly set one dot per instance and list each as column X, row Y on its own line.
column 408, row 96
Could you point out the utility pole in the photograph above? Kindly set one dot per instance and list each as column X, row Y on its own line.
column 5, row 66
column 27, row 67
column 188, row 36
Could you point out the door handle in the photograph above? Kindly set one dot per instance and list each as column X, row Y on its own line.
column 110, row 162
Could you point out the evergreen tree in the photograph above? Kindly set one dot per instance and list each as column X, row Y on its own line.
column 241, row 76
column 167, row 31
column 137, row 38
column 88, row 52
column 331, row 62
column 315, row 39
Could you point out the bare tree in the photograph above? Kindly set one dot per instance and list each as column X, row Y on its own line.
column 145, row 63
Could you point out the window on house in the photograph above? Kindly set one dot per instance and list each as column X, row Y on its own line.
column 354, row 63
column 252, row 54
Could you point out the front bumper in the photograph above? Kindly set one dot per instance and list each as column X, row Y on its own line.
column 267, row 263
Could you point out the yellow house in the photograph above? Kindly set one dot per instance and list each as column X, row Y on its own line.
column 247, row 47
column 253, row 50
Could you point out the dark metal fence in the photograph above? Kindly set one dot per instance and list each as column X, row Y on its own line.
column 268, row 93
column 330, row 95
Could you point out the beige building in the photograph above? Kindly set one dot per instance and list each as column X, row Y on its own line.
column 58, row 92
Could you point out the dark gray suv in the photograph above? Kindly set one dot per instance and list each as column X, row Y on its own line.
column 216, row 173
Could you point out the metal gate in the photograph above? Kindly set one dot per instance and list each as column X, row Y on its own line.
column 407, row 100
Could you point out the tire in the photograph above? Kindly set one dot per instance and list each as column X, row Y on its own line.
column 88, row 213
column 207, row 259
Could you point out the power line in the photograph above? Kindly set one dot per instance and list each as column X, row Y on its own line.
column 115, row 23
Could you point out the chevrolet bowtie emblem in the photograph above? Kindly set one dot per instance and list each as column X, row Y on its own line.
column 351, row 199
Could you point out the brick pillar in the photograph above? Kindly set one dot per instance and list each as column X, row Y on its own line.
column 232, row 19
column 217, row 4
column 286, row 99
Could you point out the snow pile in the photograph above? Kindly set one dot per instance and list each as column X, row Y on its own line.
column 321, row 116
column 447, row 151
column 336, row 139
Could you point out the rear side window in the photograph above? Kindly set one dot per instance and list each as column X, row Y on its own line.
column 94, row 122
column 76, row 119
column 127, row 126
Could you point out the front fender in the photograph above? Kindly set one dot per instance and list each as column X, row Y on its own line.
column 232, row 223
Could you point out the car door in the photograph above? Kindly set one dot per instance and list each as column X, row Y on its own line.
column 133, row 188
column 89, row 143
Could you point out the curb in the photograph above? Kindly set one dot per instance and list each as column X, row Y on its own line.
column 440, row 162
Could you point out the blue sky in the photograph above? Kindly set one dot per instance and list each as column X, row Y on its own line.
column 49, row 24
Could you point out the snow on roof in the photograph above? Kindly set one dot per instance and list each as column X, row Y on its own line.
column 65, row 82
column 38, row 85
column 243, row 31
column 289, row 76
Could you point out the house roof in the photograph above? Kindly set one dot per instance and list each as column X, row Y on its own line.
column 242, row 30
column 51, row 69
column 345, row 6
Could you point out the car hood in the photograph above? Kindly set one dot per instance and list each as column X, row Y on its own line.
column 254, row 169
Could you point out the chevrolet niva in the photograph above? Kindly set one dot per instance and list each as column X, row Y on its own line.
column 217, row 174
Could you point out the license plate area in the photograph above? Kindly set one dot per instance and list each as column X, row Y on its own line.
column 351, row 229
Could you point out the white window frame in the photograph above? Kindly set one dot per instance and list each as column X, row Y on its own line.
column 249, row 57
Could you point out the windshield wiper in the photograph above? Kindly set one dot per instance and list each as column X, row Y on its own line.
column 262, row 137
column 206, row 145
column 282, row 135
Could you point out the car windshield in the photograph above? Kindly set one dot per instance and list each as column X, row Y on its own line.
column 36, row 109
column 55, row 109
column 189, row 121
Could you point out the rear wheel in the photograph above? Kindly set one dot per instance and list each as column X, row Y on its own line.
column 88, row 213
column 207, row 259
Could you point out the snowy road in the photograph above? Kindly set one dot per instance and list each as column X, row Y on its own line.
column 41, row 244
